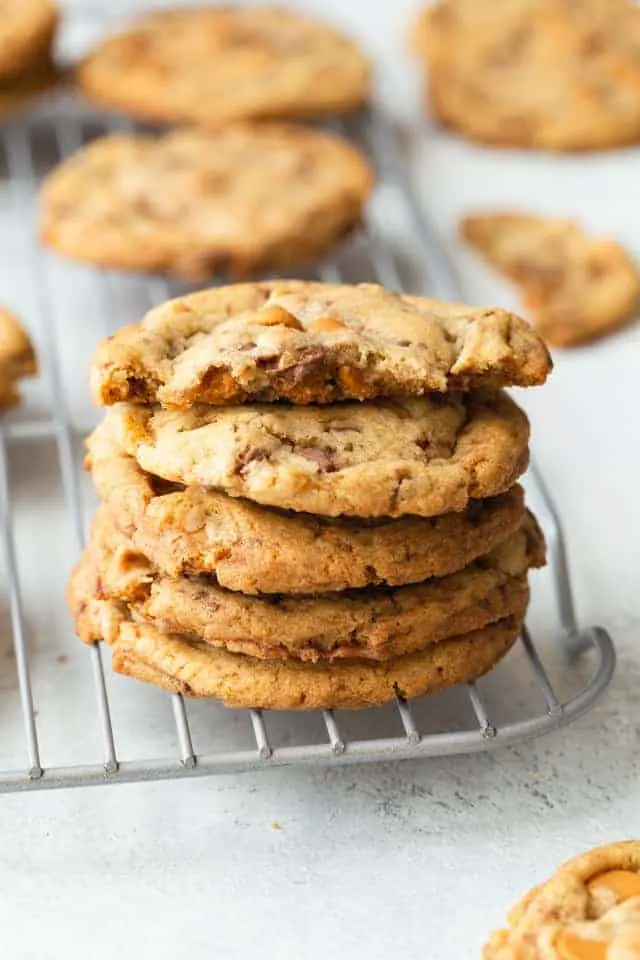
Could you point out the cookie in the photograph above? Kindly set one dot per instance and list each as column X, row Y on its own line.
column 377, row 624
column 17, row 357
column 246, row 198
column 548, row 74
column 200, row 670
column 211, row 66
column 577, row 288
column 424, row 456
column 312, row 343
column 588, row 910
column 16, row 93
column 27, row 28
column 254, row 549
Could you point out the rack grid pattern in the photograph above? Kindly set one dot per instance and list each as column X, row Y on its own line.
column 375, row 133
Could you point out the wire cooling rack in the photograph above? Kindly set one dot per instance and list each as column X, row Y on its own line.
column 84, row 726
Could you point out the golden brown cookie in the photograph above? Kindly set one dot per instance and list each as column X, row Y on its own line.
column 27, row 28
column 588, row 910
column 548, row 74
column 19, row 92
column 200, row 670
column 246, row 198
column 17, row 358
column 312, row 343
column 254, row 549
column 210, row 66
column 578, row 289
column 425, row 456
column 376, row 624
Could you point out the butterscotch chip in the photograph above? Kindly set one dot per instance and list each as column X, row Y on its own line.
column 588, row 910
column 423, row 456
column 26, row 33
column 577, row 288
column 211, row 66
column 545, row 74
column 211, row 347
column 17, row 357
column 196, row 669
column 195, row 530
column 374, row 624
column 246, row 198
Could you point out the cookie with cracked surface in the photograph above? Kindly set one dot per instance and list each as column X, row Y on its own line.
column 243, row 199
column 544, row 74
column 424, row 456
column 376, row 624
column 200, row 670
column 253, row 549
column 27, row 28
column 578, row 288
column 17, row 357
column 588, row 910
column 312, row 343
column 210, row 66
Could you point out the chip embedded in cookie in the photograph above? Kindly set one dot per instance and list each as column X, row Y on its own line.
column 312, row 343
column 546, row 74
column 245, row 199
column 578, row 288
column 425, row 456
column 213, row 65
column 588, row 910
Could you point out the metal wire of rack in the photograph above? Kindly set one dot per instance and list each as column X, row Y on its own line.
column 334, row 746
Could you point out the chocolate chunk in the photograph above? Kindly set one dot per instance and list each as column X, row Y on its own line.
column 324, row 458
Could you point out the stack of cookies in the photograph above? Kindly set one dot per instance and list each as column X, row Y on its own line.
column 27, row 31
column 309, row 495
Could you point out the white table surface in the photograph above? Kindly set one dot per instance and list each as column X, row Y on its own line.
column 418, row 859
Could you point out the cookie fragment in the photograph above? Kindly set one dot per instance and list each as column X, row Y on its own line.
column 214, row 65
column 545, row 74
column 312, row 343
column 424, row 456
column 244, row 199
column 578, row 288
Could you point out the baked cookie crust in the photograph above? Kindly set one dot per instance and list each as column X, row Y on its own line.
column 212, row 66
column 577, row 288
column 253, row 549
column 424, row 456
column 237, row 201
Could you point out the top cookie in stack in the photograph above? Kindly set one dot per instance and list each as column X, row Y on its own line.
column 269, row 539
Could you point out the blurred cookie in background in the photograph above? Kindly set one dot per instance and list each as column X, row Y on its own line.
column 577, row 288
column 547, row 74
column 211, row 65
